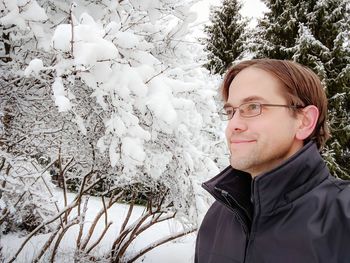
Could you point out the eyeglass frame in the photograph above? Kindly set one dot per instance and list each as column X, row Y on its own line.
column 222, row 113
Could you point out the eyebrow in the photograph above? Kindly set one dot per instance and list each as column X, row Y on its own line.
column 248, row 99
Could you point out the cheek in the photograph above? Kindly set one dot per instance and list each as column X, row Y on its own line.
column 228, row 132
column 228, row 136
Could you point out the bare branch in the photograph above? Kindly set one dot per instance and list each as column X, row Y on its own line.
column 81, row 222
column 161, row 242
column 153, row 222
column 132, row 235
column 47, row 244
column 38, row 228
column 72, row 28
column 116, row 252
column 127, row 218
column 99, row 239
column 59, row 239
column 157, row 74
column 97, row 218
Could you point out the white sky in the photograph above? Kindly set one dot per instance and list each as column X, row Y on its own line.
column 251, row 8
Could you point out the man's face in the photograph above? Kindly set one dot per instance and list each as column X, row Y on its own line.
column 258, row 144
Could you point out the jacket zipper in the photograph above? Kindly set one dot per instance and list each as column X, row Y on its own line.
column 252, row 230
column 227, row 196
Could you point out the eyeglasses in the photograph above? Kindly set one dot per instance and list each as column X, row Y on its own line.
column 250, row 109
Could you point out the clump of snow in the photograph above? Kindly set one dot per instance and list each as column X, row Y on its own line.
column 114, row 156
column 85, row 40
column 61, row 101
column 126, row 39
column 62, row 37
column 115, row 125
column 20, row 12
column 34, row 67
column 32, row 11
column 132, row 148
column 159, row 101
column 13, row 18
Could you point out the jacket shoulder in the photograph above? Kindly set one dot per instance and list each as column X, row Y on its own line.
column 341, row 195
column 342, row 186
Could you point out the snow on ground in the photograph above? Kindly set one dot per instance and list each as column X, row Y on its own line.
column 178, row 251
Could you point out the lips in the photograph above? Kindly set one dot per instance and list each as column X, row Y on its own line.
column 240, row 141
column 241, row 145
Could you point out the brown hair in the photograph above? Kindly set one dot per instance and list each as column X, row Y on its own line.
column 301, row 86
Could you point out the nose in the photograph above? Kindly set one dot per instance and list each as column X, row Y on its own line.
column 236, row 124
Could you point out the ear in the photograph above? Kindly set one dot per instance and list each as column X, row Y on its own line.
column 308, row 120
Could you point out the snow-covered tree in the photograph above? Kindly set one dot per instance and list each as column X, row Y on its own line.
column 316, row 34
column 225, row 37
column 109, row 93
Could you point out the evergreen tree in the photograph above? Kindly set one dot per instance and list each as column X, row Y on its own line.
column 316, row 34
column 225, row 36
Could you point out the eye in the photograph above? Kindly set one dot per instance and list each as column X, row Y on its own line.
column 229, row 111
column 253, row 106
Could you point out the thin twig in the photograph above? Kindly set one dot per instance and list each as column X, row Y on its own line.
column 72, row 28
column 161, row 72
column 57, row 208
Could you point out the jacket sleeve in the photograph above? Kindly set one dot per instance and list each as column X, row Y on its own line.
column 196, row 251
column 342, row 227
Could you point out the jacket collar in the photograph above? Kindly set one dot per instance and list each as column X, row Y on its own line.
column 276, row 188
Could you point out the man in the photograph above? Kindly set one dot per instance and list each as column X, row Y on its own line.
column 276, row 202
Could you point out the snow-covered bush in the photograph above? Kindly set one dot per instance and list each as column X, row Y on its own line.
column 110, row 91
column 25, row 195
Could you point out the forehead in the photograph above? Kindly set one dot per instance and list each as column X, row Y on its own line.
column 254, row 84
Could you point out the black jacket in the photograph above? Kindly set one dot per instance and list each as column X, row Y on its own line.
column 295, row 213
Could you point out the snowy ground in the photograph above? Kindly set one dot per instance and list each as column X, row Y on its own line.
column 178, row 251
